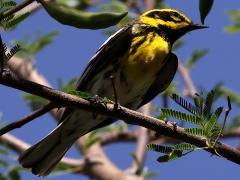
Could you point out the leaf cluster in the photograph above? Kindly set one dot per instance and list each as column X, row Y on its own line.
column 235, row 18
column 11, row 21
column 199, row 114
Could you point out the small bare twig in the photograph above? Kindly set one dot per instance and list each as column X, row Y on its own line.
column 149, row 4
column 225, row 120
column 115, row 137
column 19, row 123
column 142, row 141
column 190, row 88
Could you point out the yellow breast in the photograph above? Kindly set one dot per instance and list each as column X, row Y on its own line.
column 146, row 56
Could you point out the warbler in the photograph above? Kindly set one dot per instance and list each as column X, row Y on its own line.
column 136, row 61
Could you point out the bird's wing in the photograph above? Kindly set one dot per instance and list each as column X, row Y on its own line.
column 113, row 48
column 164, row 78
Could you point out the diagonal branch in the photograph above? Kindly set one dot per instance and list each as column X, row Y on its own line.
column 130, row 116
column 19, row 123
column 15, row 9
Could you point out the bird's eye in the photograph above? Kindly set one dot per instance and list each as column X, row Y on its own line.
column 175, row 14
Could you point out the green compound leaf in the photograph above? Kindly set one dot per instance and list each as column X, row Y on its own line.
column 36, row 45
column 13, row 173
column 80, row 19
column 185, row 104
column 218, row 112
column 196, row 131
column 204, row 8
column 159, row 148
column 184, row 147
column 233, row 29
column 181, row 116
column 16, row 20
column 170, row 157
column 235, row 18
column 7, row 4
column 215, row 133
column 211, row 124
column 208, row 103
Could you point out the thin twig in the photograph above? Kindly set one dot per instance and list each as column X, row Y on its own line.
column 142, row 141
column 15, row 9
column 224, row 121
column 190, row 88
column 117, row 137
column 149, row 4
column 19, row 123
column 130, row 116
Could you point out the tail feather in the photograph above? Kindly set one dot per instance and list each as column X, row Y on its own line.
column 44, row 156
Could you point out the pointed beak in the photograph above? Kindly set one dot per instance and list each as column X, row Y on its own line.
column 196, row 26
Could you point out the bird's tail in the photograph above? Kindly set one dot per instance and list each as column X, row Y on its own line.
column 44, row 156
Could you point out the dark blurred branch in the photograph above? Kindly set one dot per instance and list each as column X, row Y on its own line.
column 19, row 123
column 117, row 137
column 235, row 132
column 130, row 116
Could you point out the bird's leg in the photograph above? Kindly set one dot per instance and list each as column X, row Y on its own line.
column 116, row 104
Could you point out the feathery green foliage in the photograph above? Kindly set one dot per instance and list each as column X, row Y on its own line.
column 185, row 104
column 235, row 18
column 184, row 147
column 31, row 48
column 196, row 131
column 15, row 21
column 159, row 148
column 180, row 115
column 202, row 116
column 10, row 22
column 170, row 157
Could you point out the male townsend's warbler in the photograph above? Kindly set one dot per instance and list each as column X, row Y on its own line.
column 139, row 59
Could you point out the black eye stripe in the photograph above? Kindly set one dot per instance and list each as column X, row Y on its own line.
column 166, row 16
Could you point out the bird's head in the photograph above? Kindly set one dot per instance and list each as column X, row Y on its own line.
column 172, row 22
